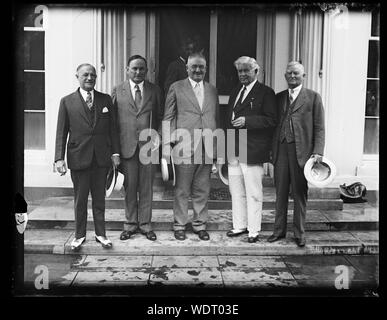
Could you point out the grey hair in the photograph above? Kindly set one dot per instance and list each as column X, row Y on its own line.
column 86, row 64
column 196, row 55
column 296, row 64
column 247, row 60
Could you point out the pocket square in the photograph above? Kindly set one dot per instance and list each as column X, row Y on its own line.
column 104, row 110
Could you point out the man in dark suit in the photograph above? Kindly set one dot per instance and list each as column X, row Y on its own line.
column 299, row 136
column 191, row 106
column 252, row 108
column 177, row 69
column 86, row 118
column 138, row 106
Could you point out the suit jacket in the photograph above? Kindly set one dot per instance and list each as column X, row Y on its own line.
column 260, row 112
column 177, row 70
column 132, row 121
column 307, row 117
column 86, row 139
column 182, row 111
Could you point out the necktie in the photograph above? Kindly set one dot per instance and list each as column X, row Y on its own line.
column 89, row 100
column 198, row 94
column 240, row 97
column 137, row 98
column 239, row 102
column 291, row 97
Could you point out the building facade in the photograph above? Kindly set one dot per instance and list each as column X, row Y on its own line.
column 338, row 46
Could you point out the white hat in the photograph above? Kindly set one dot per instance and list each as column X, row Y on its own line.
column 319, row 174
column 168, row 170
column 114, row 181
column 223, row 173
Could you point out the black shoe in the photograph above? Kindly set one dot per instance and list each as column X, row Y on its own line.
column 253, row 239
column 301, row 242
column 126, row 234
column 150, row 235
column 180, row 234
column 273, row 238
column 230, row 233
column 203, row 235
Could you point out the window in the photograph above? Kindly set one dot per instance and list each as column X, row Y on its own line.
column 237, row 36
column 371, row 130
column 34, row 80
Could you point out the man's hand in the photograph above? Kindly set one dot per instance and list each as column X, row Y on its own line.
column 239, row 122
column 317, row 158
column 116, row 160
column 60, row 167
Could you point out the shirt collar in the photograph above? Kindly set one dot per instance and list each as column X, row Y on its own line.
column 296, row 90
column 132, row 85
column 250, row 85
column 84, row 93
column 193, row 83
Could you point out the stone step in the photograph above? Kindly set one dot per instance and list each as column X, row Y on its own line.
column 159, row 186
column 318, row 243
column 57, row 213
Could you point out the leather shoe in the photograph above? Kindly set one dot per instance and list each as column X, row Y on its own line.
column 231, row 233
column 203, row 235
column 106, row 243
column 180, row 234
column 300, row 242
column 273, row 238
column 76, row 243
column 150, row 235
column 126, row 234
column 253, row 239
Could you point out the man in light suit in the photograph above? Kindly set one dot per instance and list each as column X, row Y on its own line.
column 193, row 103
column 86, row 118
column 299, row 136
column 138, row 106
column 251, row 107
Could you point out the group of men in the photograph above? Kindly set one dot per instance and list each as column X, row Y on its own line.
column 103, row 131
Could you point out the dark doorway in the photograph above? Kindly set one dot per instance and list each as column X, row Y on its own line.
column 175, row 25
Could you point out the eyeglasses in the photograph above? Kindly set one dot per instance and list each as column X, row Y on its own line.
column 195, row 66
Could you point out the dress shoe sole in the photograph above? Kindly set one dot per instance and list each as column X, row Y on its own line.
column 276, row 239
column 180, row 237
column 106, row 246
column 231, row 235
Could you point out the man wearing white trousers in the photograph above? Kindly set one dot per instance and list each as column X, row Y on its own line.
column 251, row 107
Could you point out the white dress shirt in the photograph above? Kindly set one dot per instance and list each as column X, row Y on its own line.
column 200, row 90
column 296, row 92
column 133, row 89
column 248, row 89
column 84, row 94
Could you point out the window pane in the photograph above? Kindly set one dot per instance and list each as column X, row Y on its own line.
column 372, row 98
column 375, row 26
column 237, row 36
column 371, row 136
column 34, row 91
column 373, row 59
column 34, row 131
column 33, row 50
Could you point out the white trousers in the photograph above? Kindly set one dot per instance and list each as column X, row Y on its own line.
column 245, row 183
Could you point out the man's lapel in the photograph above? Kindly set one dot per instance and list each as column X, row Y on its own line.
column 248, row 99
column 81, row 106
column 147, row 94
column 207, row 96
column 127, row 92
column 299, row 102
column 188, row 91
